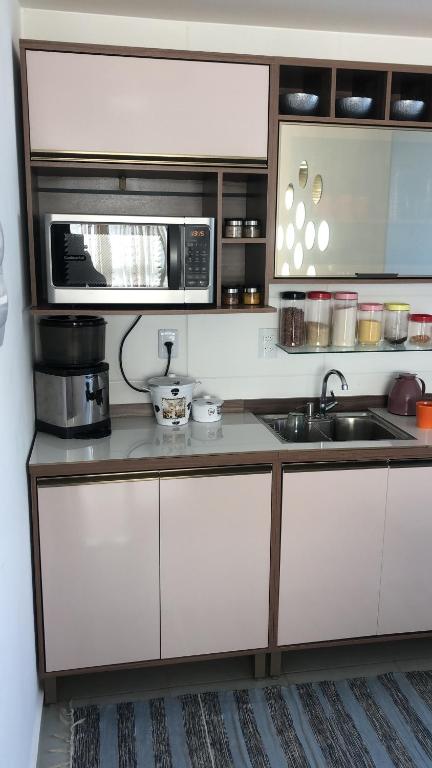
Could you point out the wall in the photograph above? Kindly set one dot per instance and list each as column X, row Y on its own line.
column 20, row 700
column 222, row 351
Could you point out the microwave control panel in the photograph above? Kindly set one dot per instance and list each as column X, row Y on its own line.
column 197, row 256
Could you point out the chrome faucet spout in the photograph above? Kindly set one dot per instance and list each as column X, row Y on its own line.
column 325, row 404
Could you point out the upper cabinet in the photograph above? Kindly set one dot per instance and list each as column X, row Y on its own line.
column 83, row 104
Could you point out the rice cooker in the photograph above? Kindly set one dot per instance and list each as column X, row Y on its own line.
column 207, row 408
column 171, row 398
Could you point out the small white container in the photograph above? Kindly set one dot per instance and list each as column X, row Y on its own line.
column 207, row 408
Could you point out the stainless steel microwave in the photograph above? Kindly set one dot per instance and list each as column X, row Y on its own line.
column 128, row 259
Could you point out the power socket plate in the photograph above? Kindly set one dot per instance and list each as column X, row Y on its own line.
column 267, row 338
column 168, row 334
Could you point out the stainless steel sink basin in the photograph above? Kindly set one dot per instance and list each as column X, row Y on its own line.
column 337, row 428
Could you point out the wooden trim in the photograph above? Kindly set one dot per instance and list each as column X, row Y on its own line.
column 275, row 545
column 152, row 663
column 53, row 310
column 272, row 177
column 28, row 180
column 372, row 639
column 37, row 576
column 108, row 466
column 159, row 53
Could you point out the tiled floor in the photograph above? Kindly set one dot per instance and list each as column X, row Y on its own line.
column 298, row 666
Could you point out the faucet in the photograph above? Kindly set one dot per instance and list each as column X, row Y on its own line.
column 325, row 404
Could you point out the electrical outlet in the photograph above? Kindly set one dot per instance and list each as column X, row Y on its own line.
column 267, row 338
column 167, row 334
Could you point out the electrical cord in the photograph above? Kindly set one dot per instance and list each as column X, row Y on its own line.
column 168, row 344
column 120, row 358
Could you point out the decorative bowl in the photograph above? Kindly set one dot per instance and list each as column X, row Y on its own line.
column 407, row 109
column 354, row 106
column 298, row 103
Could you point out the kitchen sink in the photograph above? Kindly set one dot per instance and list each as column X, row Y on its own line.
column 336, row 428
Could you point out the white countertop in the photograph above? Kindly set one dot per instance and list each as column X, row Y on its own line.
column 141, row 438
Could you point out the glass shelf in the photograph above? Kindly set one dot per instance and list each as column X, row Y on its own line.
column 384, row 347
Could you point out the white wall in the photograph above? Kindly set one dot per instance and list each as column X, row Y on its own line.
column 223, row 351
column 20, row 700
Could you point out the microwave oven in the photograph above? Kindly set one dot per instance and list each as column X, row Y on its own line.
column 128, row 259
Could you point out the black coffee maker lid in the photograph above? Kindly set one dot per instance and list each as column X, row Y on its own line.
column 73, row 321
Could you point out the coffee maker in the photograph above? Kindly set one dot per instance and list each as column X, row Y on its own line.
column 71, row 379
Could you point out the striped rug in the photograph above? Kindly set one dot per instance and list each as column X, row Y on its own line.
column 383, row 721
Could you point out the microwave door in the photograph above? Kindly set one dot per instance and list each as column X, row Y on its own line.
column 116, row 262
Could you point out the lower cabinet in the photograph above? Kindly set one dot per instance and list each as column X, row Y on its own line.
column 215, row 563
column 154, row 567
column 406, row 584
column 331, row 547
column 99, row 547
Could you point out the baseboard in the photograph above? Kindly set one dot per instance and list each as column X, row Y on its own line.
column 36, row 730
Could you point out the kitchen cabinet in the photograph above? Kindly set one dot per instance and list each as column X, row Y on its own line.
column 99, row 552
column 331, row 546
column 215, row 562
column 406, row 585
column 155, row 566
column 147, row 107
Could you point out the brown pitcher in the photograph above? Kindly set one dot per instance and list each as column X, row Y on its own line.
column 404, row 393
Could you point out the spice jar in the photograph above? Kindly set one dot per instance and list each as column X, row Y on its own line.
column 230, row 295
column 251, row 228
column 369, row 324
column 233, row 228
column 292, row 328
column 396, row 322
column 344, row 322
column 420, row 331
column 251, row 296
column 318, row 318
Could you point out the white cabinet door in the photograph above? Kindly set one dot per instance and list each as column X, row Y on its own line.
column 86, row 103
column 406, row 584
column 215, row 560
column 99, row 548
column 331, row 548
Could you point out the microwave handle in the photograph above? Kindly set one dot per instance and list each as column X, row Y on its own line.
column 174, row 256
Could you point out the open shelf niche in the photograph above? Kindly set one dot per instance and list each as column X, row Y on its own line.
column 243, row 260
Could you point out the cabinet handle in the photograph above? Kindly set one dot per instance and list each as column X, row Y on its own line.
column 326, row 466
column 117, row 477
column 259, row 469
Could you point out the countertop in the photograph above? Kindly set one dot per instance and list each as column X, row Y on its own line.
column 141, row 438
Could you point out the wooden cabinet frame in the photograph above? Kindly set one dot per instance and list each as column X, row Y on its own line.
column 256, row 259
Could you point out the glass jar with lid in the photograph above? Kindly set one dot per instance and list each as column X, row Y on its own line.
column 370, row 324
column 230, row 295
column 233, row 228
column 396, row 322
column 292, row 328
column 420, row 331
column 251, row 295
column 318, row 312
column 344, row 321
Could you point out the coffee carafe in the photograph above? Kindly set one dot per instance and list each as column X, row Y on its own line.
column 406, row 389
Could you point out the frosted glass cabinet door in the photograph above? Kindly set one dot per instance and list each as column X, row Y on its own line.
column 86, row 103
column 215, row 559
column 332, row 533
column 406, row 584
column 100, row 573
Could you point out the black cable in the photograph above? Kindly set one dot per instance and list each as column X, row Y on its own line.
column 169, row 346
column 132, row 386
